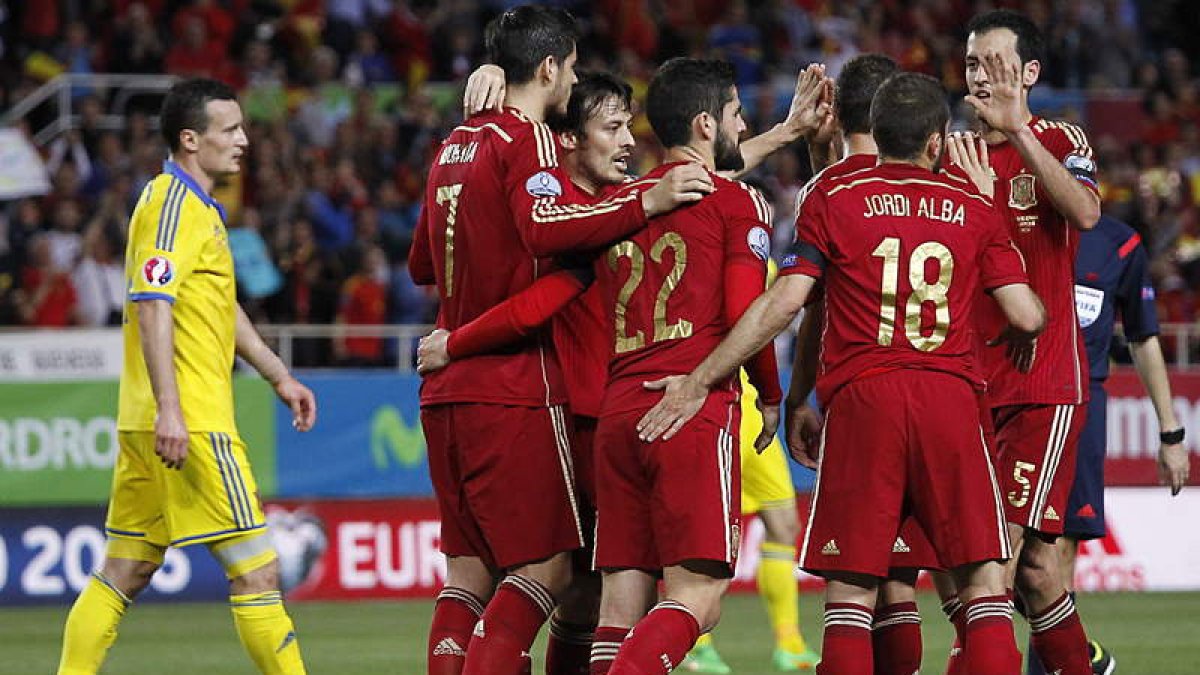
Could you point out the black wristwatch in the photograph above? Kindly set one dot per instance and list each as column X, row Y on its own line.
column 1171, row 437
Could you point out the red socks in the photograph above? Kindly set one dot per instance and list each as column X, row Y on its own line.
column 956, row 664
column 991, row 647
column 569, row 649
column 500, row 645
column 1058, row 637
column 658, row 643
column 846, row 648
column 605, row 645
column 896, row 639
column 454, row 617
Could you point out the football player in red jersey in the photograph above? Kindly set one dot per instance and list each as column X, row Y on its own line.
column 1046, row 188
column 904, row 254
column 497, row 433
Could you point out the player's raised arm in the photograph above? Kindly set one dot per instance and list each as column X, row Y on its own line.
column 811, row 110
column 299, row 398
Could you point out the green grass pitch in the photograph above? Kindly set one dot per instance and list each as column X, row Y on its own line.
column 1150, row 634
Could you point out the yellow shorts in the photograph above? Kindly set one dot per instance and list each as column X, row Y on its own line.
column 766, row 480
column 213, row 497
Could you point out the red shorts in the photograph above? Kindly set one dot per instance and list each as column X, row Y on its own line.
column 899, row 443
column 912, row 549
column 661, row 503
column 1036, row 446
column 504, row 481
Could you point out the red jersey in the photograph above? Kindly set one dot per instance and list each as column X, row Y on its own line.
column 903, row 254
column 1049, row 242
column 491, row 212
column 363, row 302
column 675, row 289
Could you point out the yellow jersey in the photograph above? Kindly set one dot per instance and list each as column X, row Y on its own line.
column 178, row 251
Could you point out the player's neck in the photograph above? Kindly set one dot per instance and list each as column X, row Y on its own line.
column 921, row 162
column 528, row 99
column 860, row 144
column 580, row 177
column 687, row 153
column 191, row 166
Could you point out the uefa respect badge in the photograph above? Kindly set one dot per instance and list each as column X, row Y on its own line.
column 158, row 271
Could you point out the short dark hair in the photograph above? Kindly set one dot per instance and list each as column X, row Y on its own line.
column 1030, row 45
column 907, row 109
column 683, row 88
column 856, row 86
column 186, row 107
column 588, row 94
column 521, row 38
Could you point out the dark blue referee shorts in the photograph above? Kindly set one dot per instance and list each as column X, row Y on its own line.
column 1085, row 506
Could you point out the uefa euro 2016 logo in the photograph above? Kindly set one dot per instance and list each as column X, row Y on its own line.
column 158, row 271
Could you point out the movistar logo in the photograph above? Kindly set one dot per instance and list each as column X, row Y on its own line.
column 392, row 437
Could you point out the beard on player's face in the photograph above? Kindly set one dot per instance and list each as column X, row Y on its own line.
column 727, row 153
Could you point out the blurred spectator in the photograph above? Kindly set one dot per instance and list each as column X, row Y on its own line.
column 99, row 278
column 137, row 46
column 47, row 297
column 64, row 241
column 366, row 65
column 364, row 302
column 328, row 102
column 257, row 276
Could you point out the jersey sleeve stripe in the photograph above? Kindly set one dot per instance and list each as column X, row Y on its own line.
column 164, row 215
column 545, row 210
column 174, row 229
column 1129, row 246
column 138, row 297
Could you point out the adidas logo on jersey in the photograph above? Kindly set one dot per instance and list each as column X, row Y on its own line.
column 900, row 546
column 1051, row 514
column 448, row 647
column 830, row 548
column 478, row 632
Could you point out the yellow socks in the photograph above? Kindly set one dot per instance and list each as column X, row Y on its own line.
column 267, row 632
column 91, row 627
column 781, row 595
column 704, row 640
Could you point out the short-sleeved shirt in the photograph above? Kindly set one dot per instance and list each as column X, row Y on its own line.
column 665, row 288
column 904, row 254
column 493, row 212
column 1048, row 242
column 178, row 251
column 1112, row 275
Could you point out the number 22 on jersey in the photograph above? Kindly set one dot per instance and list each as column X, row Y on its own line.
column 922, row 292
column 637, row 269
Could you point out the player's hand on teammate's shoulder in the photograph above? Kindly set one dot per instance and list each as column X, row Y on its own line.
column 812, row 103
column 432, row 351
column 301, row 401
column 171, row 436
column 1002, row 109
column 802, row 428
column 682, row 399
column 485, row 90
column 970, row 153
column 1173, row 466
column 681, row 185
column 770, row 417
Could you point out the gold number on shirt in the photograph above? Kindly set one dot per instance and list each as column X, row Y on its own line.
column 448, row 195
column 1019, row 500
column 922, row 292
column 637, row 269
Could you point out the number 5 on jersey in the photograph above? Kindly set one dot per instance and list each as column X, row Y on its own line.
column 637, row 269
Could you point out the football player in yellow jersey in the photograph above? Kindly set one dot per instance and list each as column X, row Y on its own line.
column 768, row 491
column 182, row 476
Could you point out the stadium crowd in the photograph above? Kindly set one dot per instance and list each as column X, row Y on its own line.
column 347, row 100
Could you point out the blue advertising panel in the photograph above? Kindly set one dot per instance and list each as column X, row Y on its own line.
column 367, row 441
column 47, row 555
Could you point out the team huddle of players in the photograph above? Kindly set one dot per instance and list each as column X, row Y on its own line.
column 581, row 393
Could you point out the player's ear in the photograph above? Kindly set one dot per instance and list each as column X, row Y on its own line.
column 189, row 140
column 547, row 70
column 704, row 126
column 934, row 146
column 1030, row 73
column 569, row 140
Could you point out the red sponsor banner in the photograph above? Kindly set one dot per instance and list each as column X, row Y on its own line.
column 343, row 550
column 1132, row 433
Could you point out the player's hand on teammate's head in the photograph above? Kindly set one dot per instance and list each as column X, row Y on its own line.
column 485, row 90
column 770, row 417
column 1020, row 348
column 171, row 436
column 682, row 400
column 681, row 185
column 1003, row 109
column 970, row 153
column 812, row 102
column 433, row 352
column 1173, row 466
column 301, row 401
column 803, row 431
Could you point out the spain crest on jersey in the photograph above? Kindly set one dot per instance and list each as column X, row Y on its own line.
column 1022, row 192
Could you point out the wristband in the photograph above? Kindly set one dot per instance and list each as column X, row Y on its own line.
column 1171, row 437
